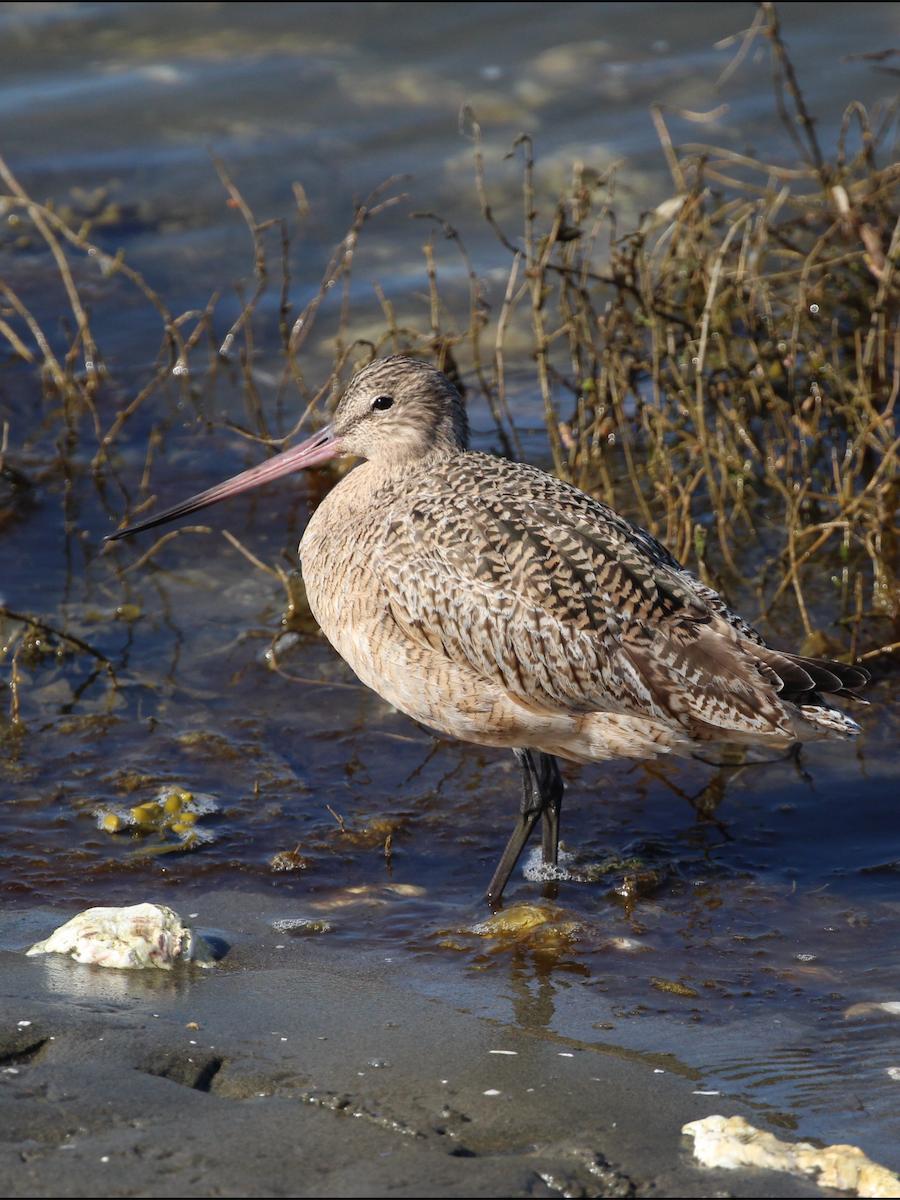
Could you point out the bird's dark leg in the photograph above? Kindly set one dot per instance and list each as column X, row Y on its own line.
column 532, row 806
column 552, row 790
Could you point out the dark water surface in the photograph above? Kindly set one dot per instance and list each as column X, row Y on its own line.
column 728, row 916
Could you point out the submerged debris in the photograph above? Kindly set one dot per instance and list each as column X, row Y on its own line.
column 514, row 919
column 732, row 1142
column 290, row 860
column 874, row 1009
column 552, row 923
column 144, row 935
column 542, row 926
column 626, row 943
column 672, row 986
column 367, row 894
column 302, row 926
column 174, row 812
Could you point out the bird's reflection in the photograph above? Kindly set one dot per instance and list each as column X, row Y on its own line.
column 531, row 986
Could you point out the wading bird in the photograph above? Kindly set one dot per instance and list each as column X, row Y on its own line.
column 497, row 604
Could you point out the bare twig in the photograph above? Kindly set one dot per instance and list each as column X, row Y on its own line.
column 36, row 623
column 248, row 554
column 166, row 537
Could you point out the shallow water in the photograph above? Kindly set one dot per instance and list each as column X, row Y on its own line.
column 727, row 916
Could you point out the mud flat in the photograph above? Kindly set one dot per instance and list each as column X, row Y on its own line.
column 297, row 1068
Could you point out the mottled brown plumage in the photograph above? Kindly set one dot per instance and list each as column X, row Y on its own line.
column 496, row 604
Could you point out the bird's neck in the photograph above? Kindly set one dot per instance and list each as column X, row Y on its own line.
column 372, row 483
column 396, row 471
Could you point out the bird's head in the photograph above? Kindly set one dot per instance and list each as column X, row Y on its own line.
column 395, row 410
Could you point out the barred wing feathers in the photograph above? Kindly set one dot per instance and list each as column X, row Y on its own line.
column 568, row 608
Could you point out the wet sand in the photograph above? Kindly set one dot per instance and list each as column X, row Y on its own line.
column 298, row 1068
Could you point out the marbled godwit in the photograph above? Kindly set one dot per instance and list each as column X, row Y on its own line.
column 496, row 604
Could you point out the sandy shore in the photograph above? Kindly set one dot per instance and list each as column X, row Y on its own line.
column 303, row 1071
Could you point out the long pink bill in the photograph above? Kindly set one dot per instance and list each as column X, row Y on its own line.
column 317, row 449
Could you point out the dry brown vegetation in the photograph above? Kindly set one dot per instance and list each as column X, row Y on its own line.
column 727, row 373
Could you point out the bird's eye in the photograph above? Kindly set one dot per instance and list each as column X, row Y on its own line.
column 382, row 402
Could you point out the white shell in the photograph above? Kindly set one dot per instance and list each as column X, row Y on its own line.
column 144, row 935
column 732, row 1142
